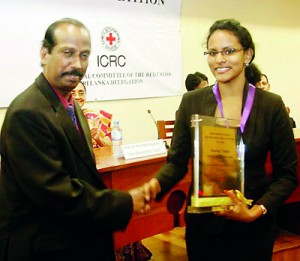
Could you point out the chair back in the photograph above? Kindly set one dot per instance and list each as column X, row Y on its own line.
column 165, row 129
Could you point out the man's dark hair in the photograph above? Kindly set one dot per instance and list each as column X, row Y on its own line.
column 49, row 40
column 194, row 79
column 253, row 74
column 202, row 76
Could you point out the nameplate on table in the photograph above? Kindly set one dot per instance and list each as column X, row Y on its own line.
column 144, row 149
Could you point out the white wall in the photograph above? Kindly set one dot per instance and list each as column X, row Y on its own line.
column 275, row 27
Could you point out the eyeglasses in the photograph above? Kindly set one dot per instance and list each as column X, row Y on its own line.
column 226, row 52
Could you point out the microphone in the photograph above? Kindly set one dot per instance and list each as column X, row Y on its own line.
column 158, row 135
column 149, row 111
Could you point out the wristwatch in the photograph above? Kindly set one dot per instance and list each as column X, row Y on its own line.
column 264, row 210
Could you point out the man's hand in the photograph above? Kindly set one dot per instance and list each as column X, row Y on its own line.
column 140, row 204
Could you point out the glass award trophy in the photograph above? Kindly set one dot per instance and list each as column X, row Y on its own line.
column 218, row 163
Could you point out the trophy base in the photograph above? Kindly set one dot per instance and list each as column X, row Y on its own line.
column 202, row 210
column 209, row 204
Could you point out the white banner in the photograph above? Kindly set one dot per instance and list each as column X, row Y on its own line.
column 136, row 46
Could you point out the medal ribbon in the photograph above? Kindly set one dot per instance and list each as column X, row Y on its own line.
column 248, row 105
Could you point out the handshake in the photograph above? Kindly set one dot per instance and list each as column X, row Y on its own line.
column 142, row 196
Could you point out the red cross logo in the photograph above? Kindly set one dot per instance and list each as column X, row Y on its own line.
column 110, row 39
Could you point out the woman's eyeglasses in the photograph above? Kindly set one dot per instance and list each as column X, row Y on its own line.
column 226, row 52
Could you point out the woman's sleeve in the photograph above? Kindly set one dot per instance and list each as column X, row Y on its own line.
column 283, row 157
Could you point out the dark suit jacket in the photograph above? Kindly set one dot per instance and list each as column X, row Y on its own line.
column 51, row 194
column 267, row 130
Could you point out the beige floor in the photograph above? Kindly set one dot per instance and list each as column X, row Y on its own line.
column 171, row 246
column 167, row 246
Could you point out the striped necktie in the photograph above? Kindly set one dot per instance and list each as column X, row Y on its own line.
column 71, row 113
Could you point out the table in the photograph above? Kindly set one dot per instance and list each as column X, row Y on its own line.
column 124, row 174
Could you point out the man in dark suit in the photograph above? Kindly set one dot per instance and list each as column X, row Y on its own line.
column 53, row 203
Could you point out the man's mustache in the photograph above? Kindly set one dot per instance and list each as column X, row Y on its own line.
column 73, row 72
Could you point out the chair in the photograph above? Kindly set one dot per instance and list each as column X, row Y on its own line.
column 165, row 130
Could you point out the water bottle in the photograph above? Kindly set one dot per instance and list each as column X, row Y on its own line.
column 116, row 136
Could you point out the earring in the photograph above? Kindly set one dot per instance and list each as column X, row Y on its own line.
column 246, row 64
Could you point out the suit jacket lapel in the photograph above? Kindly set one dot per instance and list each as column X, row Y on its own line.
column 251, row 122
column 81, row 145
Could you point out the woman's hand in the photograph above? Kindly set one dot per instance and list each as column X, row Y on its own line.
column 239, row 211
column 102, row 142
column 151, row 189
column 95, row 133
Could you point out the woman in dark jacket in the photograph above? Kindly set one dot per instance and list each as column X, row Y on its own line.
column 241, row 233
